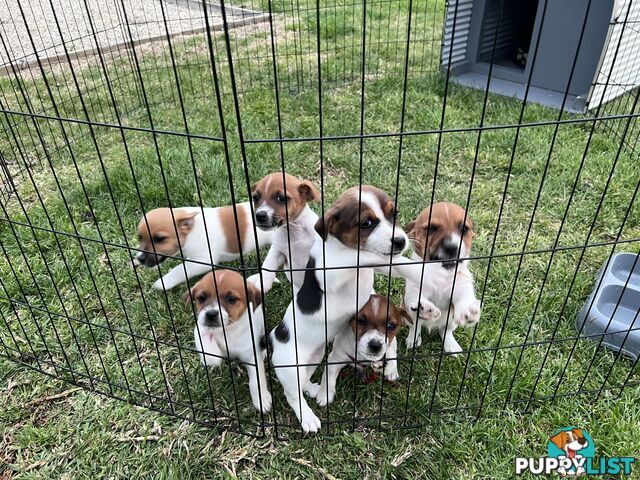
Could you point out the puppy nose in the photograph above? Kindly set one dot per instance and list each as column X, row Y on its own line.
column 262, row 216
column 451, row 249
column 375, row 346
column 211, row 318
column 142, row 257
column 399, row 243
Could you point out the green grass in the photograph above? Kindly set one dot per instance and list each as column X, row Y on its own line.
column 86, row 434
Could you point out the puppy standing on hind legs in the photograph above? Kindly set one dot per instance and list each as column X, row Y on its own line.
column 225, row 329
column 446, row 241
column 358, row 230
column 285, row 211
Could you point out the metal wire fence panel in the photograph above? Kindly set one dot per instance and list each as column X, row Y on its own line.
column 112, row 110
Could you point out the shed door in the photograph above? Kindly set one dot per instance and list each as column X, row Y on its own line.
column 460, row 36
column 619, row 69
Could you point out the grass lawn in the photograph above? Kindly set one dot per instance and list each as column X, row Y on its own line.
column 77, row 311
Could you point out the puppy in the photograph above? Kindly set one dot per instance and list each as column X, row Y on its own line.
column 447, row 239
column 288, row 214
column 351, row 234
column 365, row 339
column 163, row 232
column 224, row 329
column 570, row 441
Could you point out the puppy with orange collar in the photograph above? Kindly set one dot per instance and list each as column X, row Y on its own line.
column 285, row 211
column 442, row 234
column 230, row 325
column 367, row 339
column 204, row 235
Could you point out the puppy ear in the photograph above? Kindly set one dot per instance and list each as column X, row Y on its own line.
column 255, row 295
column 309, row 191
column 409, row 227
column 404, row 315
column 323, row 225
column 186, row 298
column 558, row 440
column 184, row 222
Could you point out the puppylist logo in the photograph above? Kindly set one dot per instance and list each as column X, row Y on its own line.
column 572, row 451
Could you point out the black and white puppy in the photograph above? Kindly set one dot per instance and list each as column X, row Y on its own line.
column 444, row 234
column 223, row 303
column 351, row 234
column 285, row 211
column 367, row 339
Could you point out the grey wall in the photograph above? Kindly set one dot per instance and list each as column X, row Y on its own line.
column 559, row 41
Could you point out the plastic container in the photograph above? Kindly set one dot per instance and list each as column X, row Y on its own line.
column 611, row 311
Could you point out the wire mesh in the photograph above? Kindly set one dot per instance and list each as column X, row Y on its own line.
column 112, row 110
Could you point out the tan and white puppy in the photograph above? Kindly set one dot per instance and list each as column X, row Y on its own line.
column 163, row 232
column 365, row 340
column 445, row 239
column 356, row 238
column 285, row 211
column 230, row 325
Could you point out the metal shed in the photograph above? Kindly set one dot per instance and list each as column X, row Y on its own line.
column 584, row 48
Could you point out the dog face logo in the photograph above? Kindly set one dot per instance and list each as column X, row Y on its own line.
column 570, row 441
column 573, row 444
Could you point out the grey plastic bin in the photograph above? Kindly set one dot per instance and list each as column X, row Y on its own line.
column 611, row 312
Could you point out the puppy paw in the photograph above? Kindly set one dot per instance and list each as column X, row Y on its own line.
column 209, row 360
column 410, row 341
column 268, row 280
column 392, row 374
column 426, row 310
column 324, row 397
column 309, row 422
column 267, row 402
column 157, row 285
column 467, row 314
column 452, row 347
column 311, row 389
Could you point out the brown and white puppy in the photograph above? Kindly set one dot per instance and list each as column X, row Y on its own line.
column 444, row 234
column 163, row 232
column 356, row 238
column 285, row 210
column 570, row 442
column 365, row 340
column 230, row 325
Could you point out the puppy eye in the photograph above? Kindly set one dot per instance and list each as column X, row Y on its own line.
column 391, row 326
column 159, row 239
column 256, row 197
column 230, row 299
column 281, row 198
column 433, row 229
column 366, row 224
column 202, row 297
column 362, row 321
column 464, row 229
